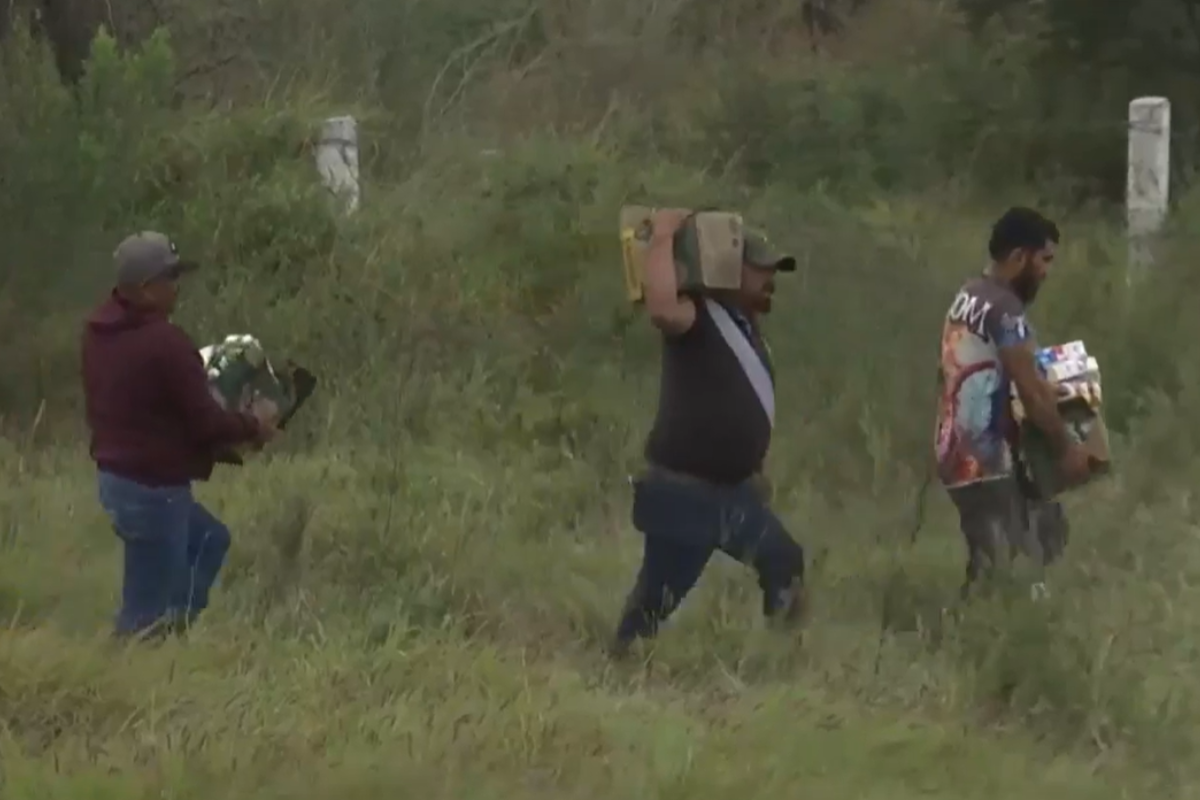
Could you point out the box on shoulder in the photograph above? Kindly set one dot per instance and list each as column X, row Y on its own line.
column 707, row 249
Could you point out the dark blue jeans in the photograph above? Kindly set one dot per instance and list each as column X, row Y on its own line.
column 174, row 549
column 684, row 523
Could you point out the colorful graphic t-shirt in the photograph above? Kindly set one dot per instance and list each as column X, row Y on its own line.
column 974, row 419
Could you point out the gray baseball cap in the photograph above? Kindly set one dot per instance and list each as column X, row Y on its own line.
column 148, row 256
column 758, row 251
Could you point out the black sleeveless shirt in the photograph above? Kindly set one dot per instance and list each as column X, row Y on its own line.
column 710, row 423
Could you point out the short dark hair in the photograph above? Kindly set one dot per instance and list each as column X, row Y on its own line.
column 1020, row 229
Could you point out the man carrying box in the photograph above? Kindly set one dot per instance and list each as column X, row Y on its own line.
column 988, row 347
column 702, row 491
column 155, row 428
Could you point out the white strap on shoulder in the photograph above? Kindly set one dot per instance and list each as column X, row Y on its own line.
column 752, row 364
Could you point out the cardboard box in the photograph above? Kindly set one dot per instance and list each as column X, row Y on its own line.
column 241, row 376
column 707, row 249
column 1075, row 377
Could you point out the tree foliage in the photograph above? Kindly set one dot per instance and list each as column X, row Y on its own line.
column 1090, row 59
column 1150, row 41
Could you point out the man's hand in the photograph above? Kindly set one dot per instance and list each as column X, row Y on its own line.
column 267, row 430
column 1075, row 465
column 264, row 409
column 266, row 413
column 666, row 221
column 264, row 433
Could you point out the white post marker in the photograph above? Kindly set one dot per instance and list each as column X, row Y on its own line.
column 337, row 159
column 1148, row 186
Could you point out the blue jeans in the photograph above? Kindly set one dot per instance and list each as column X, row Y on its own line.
column 174, row 549
column 684, row 523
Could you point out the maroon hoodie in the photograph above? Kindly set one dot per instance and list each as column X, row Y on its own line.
column 148, row 405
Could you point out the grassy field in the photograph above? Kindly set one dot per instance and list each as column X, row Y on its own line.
column 455, row 654
column 425, row 570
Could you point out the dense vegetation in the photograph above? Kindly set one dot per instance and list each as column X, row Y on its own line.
column 425, row 570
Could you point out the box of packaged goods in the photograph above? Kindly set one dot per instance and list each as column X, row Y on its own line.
column 242, row 377
column 707, row 248
column 1075, row 376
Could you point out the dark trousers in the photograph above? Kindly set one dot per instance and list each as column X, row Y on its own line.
column 174, row 550
column 684, row 522
column 1000, row 518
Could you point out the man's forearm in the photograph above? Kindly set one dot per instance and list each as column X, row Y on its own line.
column 210, row 424
column 662, row 287
column 217, row 427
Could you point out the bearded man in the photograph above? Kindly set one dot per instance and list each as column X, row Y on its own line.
column 988, row 347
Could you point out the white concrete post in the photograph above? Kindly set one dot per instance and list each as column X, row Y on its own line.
column 337, row 160
column 1148, row 185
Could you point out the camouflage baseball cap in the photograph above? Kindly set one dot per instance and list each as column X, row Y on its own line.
column 759, row 252
column 148, row 256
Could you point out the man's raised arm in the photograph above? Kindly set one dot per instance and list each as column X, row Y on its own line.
column 670, row 313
